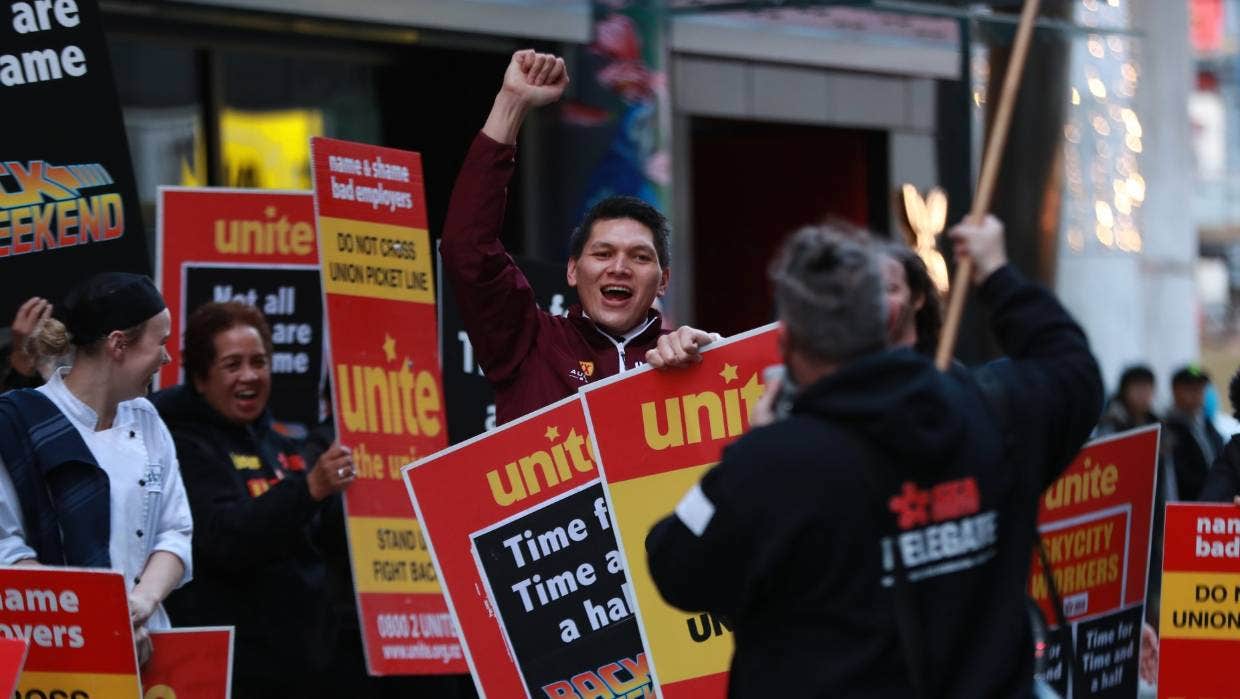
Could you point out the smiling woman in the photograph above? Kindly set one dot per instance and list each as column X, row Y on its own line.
column 104, row 491
column 237, row 380
column 256, row 504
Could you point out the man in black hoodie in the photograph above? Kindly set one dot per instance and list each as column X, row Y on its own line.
column 877, row 541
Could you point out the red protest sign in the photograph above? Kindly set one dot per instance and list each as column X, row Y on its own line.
column 656, row 434
column 1199, row 615
column 529, row 559
column 76, row 623
column 189, row 663
column 375, row 261
column 1095, row 523
column 259, row 248
column 12, row 657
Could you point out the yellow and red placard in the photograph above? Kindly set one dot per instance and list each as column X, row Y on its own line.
column 76, row 623
column 189, row 663
column 387, row 393
column 1095, row 523
column 259, row 248
column 1199, row 616
column 655, row 434
column 529, row 560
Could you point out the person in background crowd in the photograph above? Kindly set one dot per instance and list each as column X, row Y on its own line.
column 90, row 475
column 1192, row 441
column 791, row 535
column 618, row 261
column 1133, row 403
column 915, row 314
column 18, row 366
column 257, row 507
column 1131, row 407
column 1223, row 480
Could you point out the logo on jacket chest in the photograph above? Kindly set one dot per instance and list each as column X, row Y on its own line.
column 584, row 371
column 246, row 462
column 258, row 486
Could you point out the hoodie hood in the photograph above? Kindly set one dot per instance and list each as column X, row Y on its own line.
column 898, row 400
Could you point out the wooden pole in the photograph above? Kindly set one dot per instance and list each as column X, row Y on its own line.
column 986, row 181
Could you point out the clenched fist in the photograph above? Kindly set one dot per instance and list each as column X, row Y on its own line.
column 531, row 80
column 537, row 79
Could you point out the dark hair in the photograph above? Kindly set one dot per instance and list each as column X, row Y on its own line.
column 1138, row 373
column 211, row 319
column 616, row 207
column 929, row 318
column 1191, row 374
column 829, row 294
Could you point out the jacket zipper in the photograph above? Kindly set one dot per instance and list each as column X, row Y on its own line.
column 621, row 345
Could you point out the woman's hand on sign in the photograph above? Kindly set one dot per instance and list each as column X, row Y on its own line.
column 141, row 607
column 332, row 473
column 142, row 643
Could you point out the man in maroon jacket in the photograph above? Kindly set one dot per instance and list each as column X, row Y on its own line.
column 618, row 263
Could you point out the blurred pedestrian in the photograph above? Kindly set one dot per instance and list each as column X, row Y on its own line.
column 1223, row 480
column 1192, row 441
column 915, row 311
column 1132, row 405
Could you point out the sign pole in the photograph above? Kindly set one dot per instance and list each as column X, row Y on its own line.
column 986, row 181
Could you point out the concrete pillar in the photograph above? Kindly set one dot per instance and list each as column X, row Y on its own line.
column 1141, row 307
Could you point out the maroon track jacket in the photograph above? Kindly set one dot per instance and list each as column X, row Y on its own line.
column 531, row 357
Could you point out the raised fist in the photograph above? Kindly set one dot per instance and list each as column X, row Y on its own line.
column 536, row 79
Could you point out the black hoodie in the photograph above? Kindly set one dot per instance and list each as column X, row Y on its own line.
column 257, row 564
column 889, row 455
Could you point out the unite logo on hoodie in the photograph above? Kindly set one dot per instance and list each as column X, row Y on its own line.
column 942, row 530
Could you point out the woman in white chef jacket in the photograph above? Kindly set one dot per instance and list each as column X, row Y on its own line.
column 90, row 475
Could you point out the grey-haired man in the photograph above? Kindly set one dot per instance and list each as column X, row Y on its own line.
column 876, row 542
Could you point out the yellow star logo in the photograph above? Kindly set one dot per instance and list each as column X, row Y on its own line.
column 389, row 347
column 552, row 434
column 728, row 373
